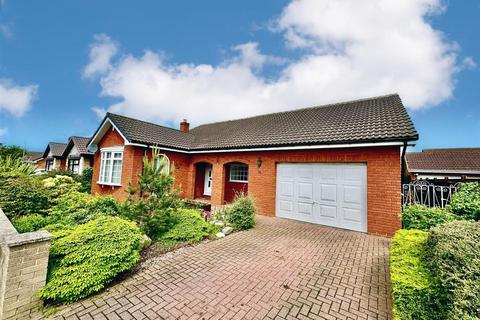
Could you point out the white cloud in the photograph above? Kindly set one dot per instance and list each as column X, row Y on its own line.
column 3, row 131
column 16, row 99
column 348, row 49
column 100, row 112
column 102, row 50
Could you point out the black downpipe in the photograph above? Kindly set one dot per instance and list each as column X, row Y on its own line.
column 402, row 168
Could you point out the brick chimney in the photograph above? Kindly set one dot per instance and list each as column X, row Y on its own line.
column 184, row 126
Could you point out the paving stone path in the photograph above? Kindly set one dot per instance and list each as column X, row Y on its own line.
column 279, row 270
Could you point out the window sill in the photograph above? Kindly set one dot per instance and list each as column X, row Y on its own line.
column 109, row 184
column 238, row 181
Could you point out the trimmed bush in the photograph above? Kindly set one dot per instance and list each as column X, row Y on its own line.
column 453, row 254
column 23, row 196
column 466, row 201
column 241, row 215
column 83, row 260
column 86, row 180
column 190, row 227
column 413, row 289
column 30, row 223
column 423, row 218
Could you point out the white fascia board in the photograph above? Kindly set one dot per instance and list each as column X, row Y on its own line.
column 126, row 142
column 313, row 147
column 426, row 171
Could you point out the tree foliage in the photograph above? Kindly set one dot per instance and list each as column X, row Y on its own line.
column 153, row 203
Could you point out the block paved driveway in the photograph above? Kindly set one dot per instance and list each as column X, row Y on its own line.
column 279, row 270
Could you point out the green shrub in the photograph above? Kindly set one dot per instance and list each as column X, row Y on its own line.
column 453, row 254
column 86, row 180
column 241, row 215
column 85, row 259
column 104, row 205
column 30, row 223
column 466, row 201
column 71, row 208
column 423, row 218
column 60, row 172
column 60, row 185
column 11, row 167
column 74, row 208
column 14, row 152
column 220, row 214
column 413, row 289
column 195, row 204
column 23, row 196
column 190, row 227
column 153, row 204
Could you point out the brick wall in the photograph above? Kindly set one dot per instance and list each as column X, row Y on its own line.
column 132, row 167
column 383, row 176
column 23, row 270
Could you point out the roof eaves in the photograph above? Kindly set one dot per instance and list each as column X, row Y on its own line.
column 112, row 122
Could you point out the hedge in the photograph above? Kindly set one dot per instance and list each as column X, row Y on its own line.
column 466, row 201
column 84, row 259
column 453, row 254
column 423, row 218
column 413, row 289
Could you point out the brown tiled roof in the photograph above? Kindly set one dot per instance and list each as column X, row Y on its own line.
column 33, row 156
column 445, row 160
column 138, row 131
column 378, row 119
column 56, row 148
column 79, row 142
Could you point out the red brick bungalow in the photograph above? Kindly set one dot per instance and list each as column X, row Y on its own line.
column 337, row 165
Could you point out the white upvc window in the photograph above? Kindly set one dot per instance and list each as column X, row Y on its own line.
column 157, row 162
column 238, row 173
column 111, row 166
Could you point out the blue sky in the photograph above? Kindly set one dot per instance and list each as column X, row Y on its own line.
column 64, row 63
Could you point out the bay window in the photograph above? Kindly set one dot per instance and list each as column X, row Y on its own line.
column 111, row 166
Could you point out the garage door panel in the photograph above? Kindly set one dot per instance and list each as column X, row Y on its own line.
column 329, row 212
column 304, row 172
column 286, row 189
column 286, row 205
column 305, row 208
column 286, row 171
column 327, row 194
column 305, row 191
column 353, row 174
column 352, row 194
column 352, row 215
column 326, row 173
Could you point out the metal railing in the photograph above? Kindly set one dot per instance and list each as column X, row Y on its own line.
column 428, row 194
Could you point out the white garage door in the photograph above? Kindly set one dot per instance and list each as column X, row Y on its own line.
column 328, row 194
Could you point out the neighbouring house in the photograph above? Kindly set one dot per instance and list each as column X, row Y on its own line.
column 336, row 165
column 53, row 155
column 448, row 165
column 35, row 159
column 76, row 155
